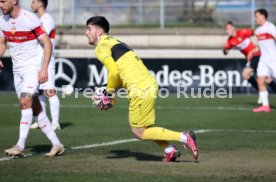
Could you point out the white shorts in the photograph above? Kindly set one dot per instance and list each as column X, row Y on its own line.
column 50, row 84
column 26, row 82
column 267, row 68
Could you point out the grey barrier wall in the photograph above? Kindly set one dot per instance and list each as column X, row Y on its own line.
column 169, row 73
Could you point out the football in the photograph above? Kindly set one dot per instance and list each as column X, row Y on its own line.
column 96, row 97
column 102, row 101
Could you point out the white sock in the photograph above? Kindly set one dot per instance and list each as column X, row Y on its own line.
column 42, row 100
column 54, row 108
column 45, row 125
column 183, row 138
column 169, row 149
column 264, row 96
column 25, row 123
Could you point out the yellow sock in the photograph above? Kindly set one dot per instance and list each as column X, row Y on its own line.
column 164, row 144
column 158, row 133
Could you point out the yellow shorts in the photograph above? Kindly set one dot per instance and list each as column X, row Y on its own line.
column 142, row 107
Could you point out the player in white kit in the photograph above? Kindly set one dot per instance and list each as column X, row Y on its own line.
column 266, row 35
column 22, row 31
column 48, row 88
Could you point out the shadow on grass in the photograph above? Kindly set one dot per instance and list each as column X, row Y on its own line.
column 65, row 125
column 272, row 107
column 40, row 148
column 119, row 154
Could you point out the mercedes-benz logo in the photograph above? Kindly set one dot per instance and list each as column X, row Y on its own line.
column 66, row 72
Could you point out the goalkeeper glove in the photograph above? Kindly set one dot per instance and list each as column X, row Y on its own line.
column 103, row 99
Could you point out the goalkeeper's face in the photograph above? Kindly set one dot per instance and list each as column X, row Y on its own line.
column 93, row 34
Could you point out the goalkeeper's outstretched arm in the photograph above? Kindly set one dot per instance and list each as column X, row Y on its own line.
column 113, row 81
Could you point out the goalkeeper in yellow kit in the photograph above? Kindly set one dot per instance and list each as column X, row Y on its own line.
column 126, row 70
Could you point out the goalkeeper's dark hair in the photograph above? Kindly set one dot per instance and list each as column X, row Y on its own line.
column 100, row 21
column 262, row 12
column 44, row 3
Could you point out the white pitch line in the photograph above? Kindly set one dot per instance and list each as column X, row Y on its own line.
column 231, row 130
column 10, row 158
column 105, row 144
column 117, row 142
column 83, row 147
column 6, row 159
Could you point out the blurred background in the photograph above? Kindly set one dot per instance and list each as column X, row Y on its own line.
column 152, row 13
column 189, row 20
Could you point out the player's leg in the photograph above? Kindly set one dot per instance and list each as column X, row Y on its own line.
column 137, row 124
column 48, row 90
column 171, row 153
column 51, row 93
column 142, row 118
column 160, row 133
column 25, row 122
column 54, row 107
column 25, row 88
column 263, row 73
column 163, row 134
column 263, row 90
column 42, row 100
column 45, row 125
column 270, row 82
column 162, row 143
column 248, row 75
column 157, row 133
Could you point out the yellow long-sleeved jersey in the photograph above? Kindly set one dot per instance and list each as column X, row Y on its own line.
column 124, row 67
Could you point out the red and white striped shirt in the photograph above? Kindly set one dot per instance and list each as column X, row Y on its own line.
column 265, row 35
column 242, row 41
column 22, row 34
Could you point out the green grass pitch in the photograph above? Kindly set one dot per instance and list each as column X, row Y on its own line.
column 238, row 146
